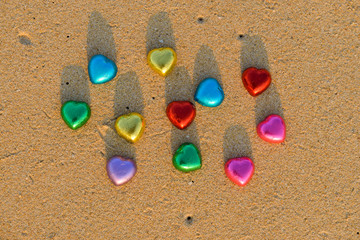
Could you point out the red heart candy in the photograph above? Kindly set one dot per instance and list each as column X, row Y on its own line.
column 181, row 113
column 256, row 80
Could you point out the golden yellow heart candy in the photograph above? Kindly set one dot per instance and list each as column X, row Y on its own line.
column 162, row 60
column 130, row 126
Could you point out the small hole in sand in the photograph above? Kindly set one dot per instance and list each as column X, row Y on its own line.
column 200, row 20
column 68, row 36
column 67, row 83
column 153, row 98
column 189, row 220
column 241, row 36
column 127, row 108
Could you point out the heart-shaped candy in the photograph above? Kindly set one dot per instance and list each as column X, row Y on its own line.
column 209, row 93
column 130, row 126
column 256, row 80
column 239, row 170
column 120, row 170
column 181, row 113
column 75, row 114
column 187, row 158
column 272, row 129
column 101, row 69
column 162, row 60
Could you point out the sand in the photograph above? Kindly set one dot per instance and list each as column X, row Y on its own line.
column 53, row 181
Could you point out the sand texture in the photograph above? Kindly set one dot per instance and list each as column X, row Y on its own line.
column 53, row 182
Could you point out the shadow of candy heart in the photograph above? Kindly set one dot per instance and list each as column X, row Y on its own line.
column 128, row 98
column 160, row 37
column 179, row 87
column 253, row 54
column 178, row 84
column 101, row 50
column 100, row 38
column 205, row 67
column 159, row 32
column 237, row 150
column 236, row 143
column 74, row 87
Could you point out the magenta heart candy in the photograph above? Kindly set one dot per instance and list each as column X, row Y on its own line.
column 239, row 170
column 272, row 129
column 120, row 170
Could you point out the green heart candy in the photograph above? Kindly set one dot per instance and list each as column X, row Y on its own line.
column 187, row 158
column 75, row 114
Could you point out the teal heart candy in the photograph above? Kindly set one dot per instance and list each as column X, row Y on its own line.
column 187, row 158
column 101, row 69
column 209, row 93
column 75, row 114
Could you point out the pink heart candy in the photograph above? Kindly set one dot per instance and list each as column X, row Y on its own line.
column 272, row 129
column 239, row 170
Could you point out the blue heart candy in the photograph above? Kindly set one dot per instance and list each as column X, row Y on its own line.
column 101, row 69
column 209, row 93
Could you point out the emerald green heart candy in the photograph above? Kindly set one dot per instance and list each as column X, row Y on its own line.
column 75, row 114
column 187, row 158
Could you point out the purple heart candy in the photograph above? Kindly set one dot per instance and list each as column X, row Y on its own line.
column 120, row 170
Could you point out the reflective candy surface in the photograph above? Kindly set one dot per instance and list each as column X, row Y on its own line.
column 187, row 158
column 75, row 114
column 120, row 170
column 181, row 113
column 101, row 69
column 130, row 126
column 162, row 60
column 256, row 80
column 239, row 170
column 209, row 93
column 272, row 129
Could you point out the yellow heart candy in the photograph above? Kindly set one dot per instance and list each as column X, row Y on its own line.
column 130, row 126
column 162, row 60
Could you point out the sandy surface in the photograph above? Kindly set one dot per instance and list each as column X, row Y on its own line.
column 53, row 182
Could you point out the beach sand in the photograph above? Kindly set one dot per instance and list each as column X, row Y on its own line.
column 53, row 180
